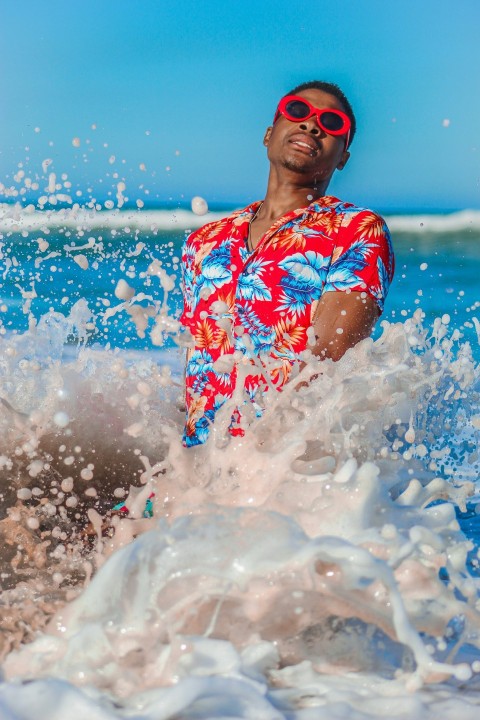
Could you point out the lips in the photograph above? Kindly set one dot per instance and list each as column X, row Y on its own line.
column 304, row 143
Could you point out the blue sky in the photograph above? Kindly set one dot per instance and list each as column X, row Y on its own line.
column 186, row 89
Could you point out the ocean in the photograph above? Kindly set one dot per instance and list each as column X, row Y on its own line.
column 326, row 565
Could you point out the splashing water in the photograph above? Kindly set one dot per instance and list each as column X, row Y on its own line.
column 314, row 568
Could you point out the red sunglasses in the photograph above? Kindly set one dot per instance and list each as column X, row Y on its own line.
column 330, row 120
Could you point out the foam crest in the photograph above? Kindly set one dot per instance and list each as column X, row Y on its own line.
column 15, row 218
column 423, row 223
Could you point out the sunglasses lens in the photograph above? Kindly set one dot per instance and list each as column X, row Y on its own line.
column 297, row 109
column 332, row 121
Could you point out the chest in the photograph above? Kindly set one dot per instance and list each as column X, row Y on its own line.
column 286, row 270
column 256, row 231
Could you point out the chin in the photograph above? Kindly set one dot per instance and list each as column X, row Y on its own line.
column 296, row 166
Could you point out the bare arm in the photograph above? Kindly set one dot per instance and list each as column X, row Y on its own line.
column 341, row 320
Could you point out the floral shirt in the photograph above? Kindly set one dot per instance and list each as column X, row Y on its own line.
column 249, row 312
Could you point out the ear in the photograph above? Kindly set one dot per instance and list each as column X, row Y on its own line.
column 344, row 160
column 266, row 137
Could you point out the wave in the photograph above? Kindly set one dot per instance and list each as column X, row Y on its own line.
column 15, row 218
column 462, row 220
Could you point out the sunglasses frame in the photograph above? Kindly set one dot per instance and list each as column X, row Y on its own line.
column 317, row 112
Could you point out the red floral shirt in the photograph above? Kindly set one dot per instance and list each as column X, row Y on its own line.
column 254, row 308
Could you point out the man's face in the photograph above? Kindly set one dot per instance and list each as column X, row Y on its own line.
column 303, row 147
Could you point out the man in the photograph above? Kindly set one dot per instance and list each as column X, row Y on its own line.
column 299, row 270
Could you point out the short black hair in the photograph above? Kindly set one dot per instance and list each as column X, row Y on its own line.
column 331, row 89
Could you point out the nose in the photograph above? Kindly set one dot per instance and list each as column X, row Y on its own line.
column 310, row 126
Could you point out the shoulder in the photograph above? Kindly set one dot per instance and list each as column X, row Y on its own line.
column 364, row 231
column 361, row 223
column 348, row 221
column 367, row 224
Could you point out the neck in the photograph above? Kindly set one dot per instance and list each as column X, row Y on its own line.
column 285, row 194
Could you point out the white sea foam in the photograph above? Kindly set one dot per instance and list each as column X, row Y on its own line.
column 14, row 217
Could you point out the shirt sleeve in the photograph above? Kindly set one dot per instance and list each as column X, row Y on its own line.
column 363, row 259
